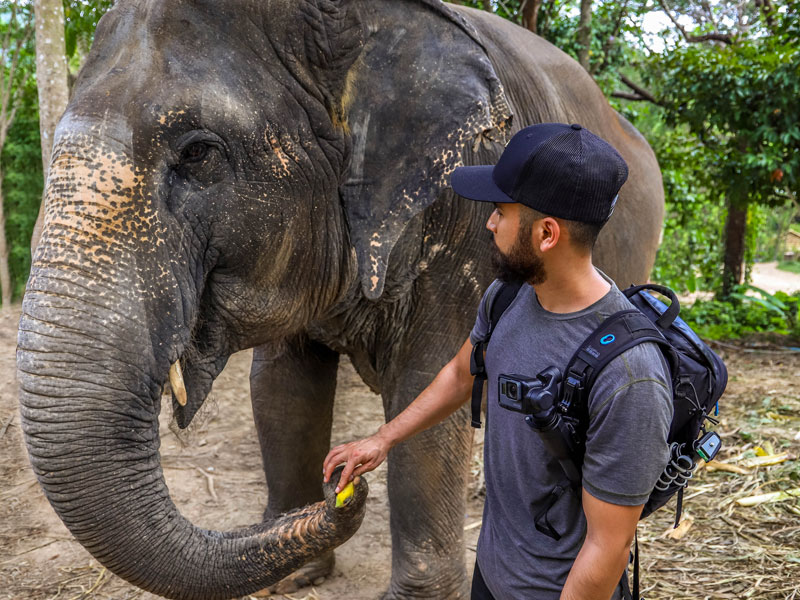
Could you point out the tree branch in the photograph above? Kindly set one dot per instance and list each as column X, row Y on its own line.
column 530, row 14
column 706, row 37
column 640, row 92
column 505, row 7
column 629, row 96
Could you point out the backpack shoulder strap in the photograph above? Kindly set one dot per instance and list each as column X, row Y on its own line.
column 499, row 297
column 619, row 332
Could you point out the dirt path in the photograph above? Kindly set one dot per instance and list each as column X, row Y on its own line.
column 770, row 278
column 40, row 560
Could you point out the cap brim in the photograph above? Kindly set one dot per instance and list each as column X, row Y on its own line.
column 476, row 183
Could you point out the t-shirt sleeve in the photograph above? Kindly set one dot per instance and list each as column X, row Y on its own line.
column 481, row 327
column 630, row 411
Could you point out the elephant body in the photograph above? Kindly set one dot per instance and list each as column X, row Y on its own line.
column 234, row 174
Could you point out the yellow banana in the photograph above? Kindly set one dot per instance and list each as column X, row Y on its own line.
column 344, row 496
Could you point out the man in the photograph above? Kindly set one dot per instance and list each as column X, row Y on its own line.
column 553, row 188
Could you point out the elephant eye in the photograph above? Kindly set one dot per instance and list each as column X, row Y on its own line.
column 194, row 152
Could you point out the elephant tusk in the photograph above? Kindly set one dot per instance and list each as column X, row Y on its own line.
column 176, row 382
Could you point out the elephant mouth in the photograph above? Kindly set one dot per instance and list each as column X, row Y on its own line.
column 190, row 382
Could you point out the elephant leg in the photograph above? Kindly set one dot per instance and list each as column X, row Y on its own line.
column 427, row 478
column 292, row 397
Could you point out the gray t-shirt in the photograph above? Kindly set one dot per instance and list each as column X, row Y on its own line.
column 630, row 409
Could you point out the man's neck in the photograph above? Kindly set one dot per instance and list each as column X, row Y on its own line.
column 571, row 288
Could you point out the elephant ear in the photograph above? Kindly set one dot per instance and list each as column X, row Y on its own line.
column 420, row 92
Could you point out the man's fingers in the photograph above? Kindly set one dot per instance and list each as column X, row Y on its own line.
column 358, row 458
column 347, row 473
column 363, row 469
column 335, row 457
column 368, row 465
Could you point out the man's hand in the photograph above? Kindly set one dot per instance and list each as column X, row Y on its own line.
column 359, row 457
column 448, row 391
column 602, row 560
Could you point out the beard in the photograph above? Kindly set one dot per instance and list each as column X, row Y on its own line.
column 521, row 264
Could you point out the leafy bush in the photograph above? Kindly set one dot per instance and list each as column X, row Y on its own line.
column 22, row 190
column 790, row 266
column 745, row 314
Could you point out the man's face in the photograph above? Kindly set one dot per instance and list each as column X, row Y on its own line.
column 513, row 256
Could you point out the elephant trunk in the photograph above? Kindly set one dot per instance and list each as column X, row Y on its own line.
column 91, row 369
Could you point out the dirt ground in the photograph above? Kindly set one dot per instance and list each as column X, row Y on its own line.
column 215, row 478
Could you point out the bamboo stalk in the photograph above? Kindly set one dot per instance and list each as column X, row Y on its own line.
column 769, row 498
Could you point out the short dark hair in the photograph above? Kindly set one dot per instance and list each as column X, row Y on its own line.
column 582, row 235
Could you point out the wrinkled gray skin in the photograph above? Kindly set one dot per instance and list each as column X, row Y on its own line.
column 273, row 174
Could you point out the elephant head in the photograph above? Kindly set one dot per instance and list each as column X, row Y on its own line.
column 226, row 173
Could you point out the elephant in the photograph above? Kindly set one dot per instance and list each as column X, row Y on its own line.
column 233, row 174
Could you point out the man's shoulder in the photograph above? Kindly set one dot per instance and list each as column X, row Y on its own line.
column 639, row 371
column 641, row 362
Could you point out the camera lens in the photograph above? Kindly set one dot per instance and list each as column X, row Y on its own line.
column 512, row 390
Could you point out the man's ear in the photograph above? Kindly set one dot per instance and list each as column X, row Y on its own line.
column 547, row 234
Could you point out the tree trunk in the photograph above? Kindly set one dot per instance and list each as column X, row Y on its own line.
column 735, row 231
column 585, row 33
column 5, row 276
column 51, row 81
column 530, row 14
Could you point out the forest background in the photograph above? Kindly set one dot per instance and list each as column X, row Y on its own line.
column 712, row 85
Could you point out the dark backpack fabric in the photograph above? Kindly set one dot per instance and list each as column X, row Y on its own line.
column 698, row 375
column 699, row 380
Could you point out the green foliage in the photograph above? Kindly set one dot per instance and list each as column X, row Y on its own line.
column 690, row 255
column 744, row 314
column 771, row 232
column 22, row 190
column 740, row 100
column 16, row 22
column 17, row 86
column 81, row 17
column 790, row 266
column 727, row 129
column 21, row 158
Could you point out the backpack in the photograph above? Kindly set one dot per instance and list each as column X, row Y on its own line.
column 698, row 378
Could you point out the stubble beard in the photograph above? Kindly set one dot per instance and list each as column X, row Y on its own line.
column 521, row 264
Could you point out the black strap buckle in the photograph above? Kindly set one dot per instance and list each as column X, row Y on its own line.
column 573, row 388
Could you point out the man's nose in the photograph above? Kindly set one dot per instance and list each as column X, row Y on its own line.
column 490, row 224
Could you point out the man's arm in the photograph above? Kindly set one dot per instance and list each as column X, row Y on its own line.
column 602, row 559
column 448, row 391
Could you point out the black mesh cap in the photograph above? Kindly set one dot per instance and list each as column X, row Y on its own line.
column 561, row 170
